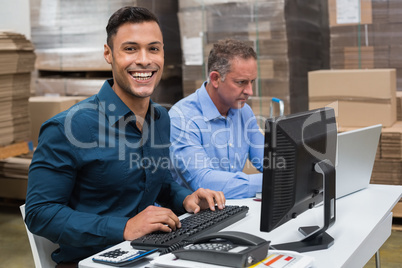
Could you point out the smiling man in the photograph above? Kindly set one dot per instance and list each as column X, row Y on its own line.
column 96, row 173
column 214, row 131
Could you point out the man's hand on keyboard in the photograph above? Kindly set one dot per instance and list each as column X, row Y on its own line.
column 150, row 220
column 203, row 199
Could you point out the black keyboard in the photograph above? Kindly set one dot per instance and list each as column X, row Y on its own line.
column 195, row 225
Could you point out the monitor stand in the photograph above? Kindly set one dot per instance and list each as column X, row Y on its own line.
column 316, row 237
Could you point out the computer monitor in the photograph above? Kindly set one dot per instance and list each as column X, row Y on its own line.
column 298, row 173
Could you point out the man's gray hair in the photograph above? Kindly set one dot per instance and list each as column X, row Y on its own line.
column 224, row 51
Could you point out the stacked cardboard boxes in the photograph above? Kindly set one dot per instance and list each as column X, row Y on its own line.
column 62, row 85
column 44, row 107
column 286, row 35
column 17, row 60
column 69, row 37
column 360, row 97
column 363, row 98
column 14, row 176
column 366, row 34
column 14, row 169
column 388, row 169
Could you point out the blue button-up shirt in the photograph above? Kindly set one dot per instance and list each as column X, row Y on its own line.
column 93, row 169
column 209, row 150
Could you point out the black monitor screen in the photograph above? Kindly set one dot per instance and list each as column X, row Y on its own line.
column 299, row 171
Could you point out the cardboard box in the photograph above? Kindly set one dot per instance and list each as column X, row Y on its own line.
column 289, row 41
column 361, row 97
column 387, row 171
column 391, row 141
column 43, row 108
column 14, row 176
column 67, row 86
column 250, row 169
column 366, row 57
column 348, row 13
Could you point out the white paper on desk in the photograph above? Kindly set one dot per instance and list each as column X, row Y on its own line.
column 275, row 259
column 285, row 259
column 170, row 260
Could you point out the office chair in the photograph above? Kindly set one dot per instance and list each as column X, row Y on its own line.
column 41, row 247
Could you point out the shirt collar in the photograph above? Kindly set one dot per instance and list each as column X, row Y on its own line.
column 114, row 108
column 209, row 110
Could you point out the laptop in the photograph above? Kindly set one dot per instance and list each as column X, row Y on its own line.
column 356, row 151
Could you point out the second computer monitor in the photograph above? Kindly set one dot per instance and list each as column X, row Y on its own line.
column 299, row 172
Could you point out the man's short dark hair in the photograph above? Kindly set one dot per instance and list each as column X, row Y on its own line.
column 126, row 14
column 224, row 51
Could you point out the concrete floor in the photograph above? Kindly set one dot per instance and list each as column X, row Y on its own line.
column 15, row 251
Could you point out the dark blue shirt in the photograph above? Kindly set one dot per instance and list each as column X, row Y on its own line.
column 93, row 169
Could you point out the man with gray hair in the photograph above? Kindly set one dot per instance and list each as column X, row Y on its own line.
column 214, row 131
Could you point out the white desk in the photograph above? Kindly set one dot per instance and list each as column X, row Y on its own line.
column 363, row 223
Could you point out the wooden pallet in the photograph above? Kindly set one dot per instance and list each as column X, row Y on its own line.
column 15, row 149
